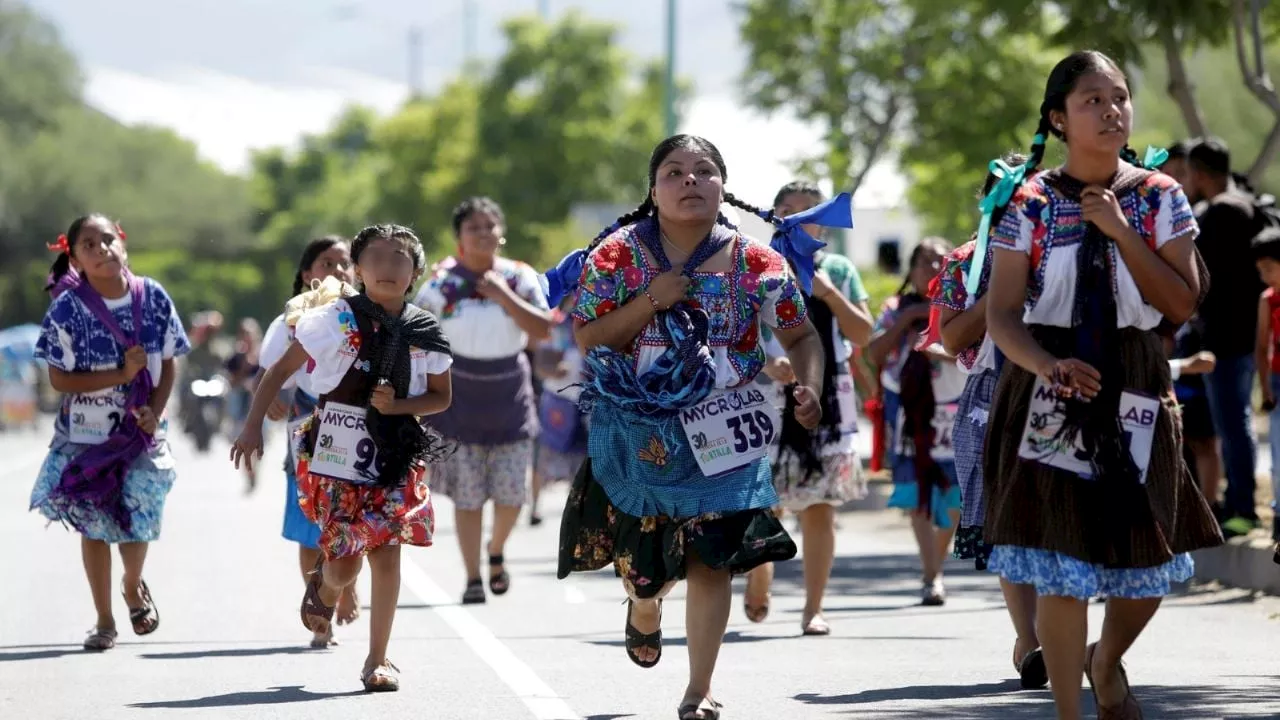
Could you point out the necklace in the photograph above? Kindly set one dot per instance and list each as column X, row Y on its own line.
column 673, row 246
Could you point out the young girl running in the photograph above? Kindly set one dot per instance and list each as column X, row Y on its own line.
column 921, row 388
column 562, row 442
column 671, row 302
column 323, row 258
column 1086, row 490
column 110, row 338
column 960, row 323
column 818, row 471
column 379, row 365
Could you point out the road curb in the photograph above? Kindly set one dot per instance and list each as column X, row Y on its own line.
column 1243, row 562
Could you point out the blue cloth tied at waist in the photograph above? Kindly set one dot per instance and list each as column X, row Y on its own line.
column 639, row 453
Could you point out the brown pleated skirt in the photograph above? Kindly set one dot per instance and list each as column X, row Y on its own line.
column 1033, row 505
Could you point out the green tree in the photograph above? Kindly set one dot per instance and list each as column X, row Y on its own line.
column 562, row 118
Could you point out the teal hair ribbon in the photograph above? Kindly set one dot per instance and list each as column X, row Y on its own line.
column 1155, row 157
column 1008, row 180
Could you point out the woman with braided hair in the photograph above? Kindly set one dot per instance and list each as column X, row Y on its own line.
column 1086, row 490
column 677, row 483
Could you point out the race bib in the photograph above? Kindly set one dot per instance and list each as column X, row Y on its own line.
column 944, row 423
column 1045, row 415
column 848, row 404
column 92, row 418
column 730, row 429
column 344, row 449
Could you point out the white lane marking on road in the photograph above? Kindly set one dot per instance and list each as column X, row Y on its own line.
column 541, row 700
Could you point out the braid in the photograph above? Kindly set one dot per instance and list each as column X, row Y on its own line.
column 642, row 211
column 1038, row 145
column 1130, row 155
column 766, row 215
column 297, row 284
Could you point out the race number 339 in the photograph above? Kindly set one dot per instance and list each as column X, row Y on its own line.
column 730, row 429
column 92, row 418
column 344, row 449
column 1138, row 413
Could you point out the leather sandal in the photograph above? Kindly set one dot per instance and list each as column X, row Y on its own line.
column 498, row 584
column 709, row 708
column 1128, row 709
column 312, row 605
column 634, row 639
column 383, row 678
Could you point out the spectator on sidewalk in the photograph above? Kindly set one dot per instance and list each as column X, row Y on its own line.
column 1230, row 315
column 1266, row 248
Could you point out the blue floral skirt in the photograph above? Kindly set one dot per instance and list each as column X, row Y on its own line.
column 145, row 489
column 1061, row 575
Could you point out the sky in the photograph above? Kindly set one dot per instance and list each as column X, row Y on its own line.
column 236, row 75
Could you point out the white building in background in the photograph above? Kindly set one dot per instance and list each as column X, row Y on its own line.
column 881, row 237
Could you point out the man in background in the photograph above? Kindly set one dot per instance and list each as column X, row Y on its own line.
column 1229, row 318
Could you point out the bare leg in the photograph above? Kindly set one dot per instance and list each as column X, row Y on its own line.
column 922, row 526
column 505, row 518
column 469, row 526
column 942, row 540
column 818, row 535
column 535, row 489
column 96, row 556
column 384, row 565
column 755, row 598
column 706, row 617
column 337, row 574
column 1062, row 624
column 646, row 617
column 133, row 556
column 1124, row 622
column 1020, row 600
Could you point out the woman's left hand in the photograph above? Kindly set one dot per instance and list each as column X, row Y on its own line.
column 822, row 287
column 1101, row 207
column 808, row 410
column 493, row 286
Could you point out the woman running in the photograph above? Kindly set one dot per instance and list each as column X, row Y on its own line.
column 1086, row 490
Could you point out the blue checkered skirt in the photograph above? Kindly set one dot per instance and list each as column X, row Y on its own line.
column 968, row 438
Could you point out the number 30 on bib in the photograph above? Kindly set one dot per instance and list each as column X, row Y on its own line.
column 344, row 449
column 730, row 429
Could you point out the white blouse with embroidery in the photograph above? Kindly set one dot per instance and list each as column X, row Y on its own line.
column 330, row 336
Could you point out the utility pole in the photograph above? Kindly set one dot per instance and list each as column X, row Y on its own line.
column 415, row 61
column 669, row 94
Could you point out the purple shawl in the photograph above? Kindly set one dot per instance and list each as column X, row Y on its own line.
column 96, row 476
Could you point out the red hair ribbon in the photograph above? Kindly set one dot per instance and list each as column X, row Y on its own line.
column 61, row 246
column 120, row 232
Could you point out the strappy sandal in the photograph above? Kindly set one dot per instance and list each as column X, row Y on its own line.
column 383, row 678
column 100, row 640
column 146, row 619
column 474, row 594
column 636, row 639
column 312, row 605
column 498, row 584
column 1129, row 709
column 689, row 711
column 1032, row 673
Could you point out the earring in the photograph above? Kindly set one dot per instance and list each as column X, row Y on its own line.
column 502, row 241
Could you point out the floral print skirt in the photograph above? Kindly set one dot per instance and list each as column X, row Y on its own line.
column 358, row 519
column 146, row 487
column 649, row 552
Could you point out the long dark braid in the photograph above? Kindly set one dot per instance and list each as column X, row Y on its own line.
column 642, row 211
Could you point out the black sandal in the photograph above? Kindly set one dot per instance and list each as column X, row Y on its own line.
column 636, row 639
column 474, row 594
column 145, row 619
column 1032, row 673
column 688, row 711
column 498, row 584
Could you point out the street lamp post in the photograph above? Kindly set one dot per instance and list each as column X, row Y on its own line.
column 669, row 86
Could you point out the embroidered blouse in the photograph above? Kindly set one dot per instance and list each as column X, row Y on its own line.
column 1048, row 227
column 757, row 289
column 330, row 336
column 478, row 328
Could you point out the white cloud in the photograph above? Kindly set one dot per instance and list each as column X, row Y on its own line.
column 227, row 116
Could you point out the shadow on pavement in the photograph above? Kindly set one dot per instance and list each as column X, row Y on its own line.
column 270, row 696
column 42, row 654
column 1158, row 701
column 230, row 652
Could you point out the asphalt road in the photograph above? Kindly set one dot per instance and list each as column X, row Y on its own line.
column 231, row 646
